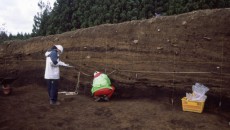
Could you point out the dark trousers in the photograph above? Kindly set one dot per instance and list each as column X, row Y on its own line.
column 53, row 89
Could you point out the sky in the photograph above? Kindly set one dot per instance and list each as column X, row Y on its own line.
column 16, row 16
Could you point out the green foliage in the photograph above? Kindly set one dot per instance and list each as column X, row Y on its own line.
column 3, row 36
column 41, row 20
column 19, row 36
column 68, row 15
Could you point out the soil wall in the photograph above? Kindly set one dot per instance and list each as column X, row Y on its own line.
column 171, row 52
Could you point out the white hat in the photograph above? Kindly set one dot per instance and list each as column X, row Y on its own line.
column 59, row 47
column 96, row 72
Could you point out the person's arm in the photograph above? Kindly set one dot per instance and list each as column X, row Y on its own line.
column 55, row 60
column 54, row 57
column 108, row 80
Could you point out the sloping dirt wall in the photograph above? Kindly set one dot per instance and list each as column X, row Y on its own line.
column 173, row 52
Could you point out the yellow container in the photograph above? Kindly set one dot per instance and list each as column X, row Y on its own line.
column 192, row 106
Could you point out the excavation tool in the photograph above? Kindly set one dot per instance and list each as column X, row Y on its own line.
column 76, row 91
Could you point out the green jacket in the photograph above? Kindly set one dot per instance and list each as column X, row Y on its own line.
column 102, row 81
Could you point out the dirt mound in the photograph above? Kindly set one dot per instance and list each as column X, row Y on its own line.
column 155, row 60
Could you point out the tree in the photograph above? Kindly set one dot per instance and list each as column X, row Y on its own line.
column 3, row 33
column 3, row 36
column 41, row 19
column 69, row 15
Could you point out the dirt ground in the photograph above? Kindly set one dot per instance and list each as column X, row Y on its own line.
column 154, row 63
column 28, row 109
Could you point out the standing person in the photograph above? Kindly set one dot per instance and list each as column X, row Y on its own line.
column 52, row 72
column 102, row 89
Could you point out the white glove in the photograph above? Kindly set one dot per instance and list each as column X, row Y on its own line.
column 67, row 65
column 62, row 63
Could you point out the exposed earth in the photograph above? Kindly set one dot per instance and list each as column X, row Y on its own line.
column 152, row 63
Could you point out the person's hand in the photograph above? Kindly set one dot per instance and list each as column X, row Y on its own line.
column 67, row 65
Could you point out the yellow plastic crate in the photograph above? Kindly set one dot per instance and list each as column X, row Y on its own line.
column 192, row 106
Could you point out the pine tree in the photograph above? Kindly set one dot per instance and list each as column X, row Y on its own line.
column 68, row 15
column 41, row 19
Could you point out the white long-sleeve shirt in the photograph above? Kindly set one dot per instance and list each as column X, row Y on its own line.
column 52, row 70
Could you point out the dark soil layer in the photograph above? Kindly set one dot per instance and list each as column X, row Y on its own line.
column 28, row 109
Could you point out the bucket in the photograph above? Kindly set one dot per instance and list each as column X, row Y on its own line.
column 6, row 89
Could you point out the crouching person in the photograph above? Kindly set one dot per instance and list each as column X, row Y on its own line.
column 102, row 89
